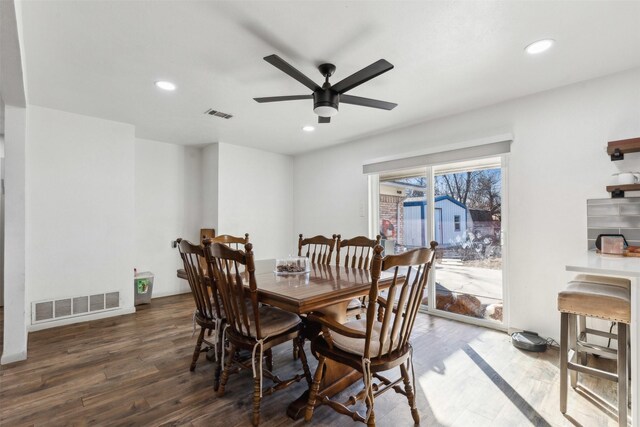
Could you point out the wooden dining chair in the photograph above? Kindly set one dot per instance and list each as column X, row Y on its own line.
column 232, row 241
column 205, row 233
column 237, row 243
column 251, row 326
column 318, row 249
column 356, row 252
column 208, row 314
column 381, row 341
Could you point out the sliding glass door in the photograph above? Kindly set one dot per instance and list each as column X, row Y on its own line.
column 460, row 206
column 468, row 210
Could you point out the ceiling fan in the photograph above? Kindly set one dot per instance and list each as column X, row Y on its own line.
column 327, row 98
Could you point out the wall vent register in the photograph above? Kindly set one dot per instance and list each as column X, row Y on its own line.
column 47, row 311
column 215, row 113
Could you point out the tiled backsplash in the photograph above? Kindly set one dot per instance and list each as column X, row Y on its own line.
column 613, row 216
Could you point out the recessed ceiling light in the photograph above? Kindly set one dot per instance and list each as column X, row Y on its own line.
column 164, row 85
column 539, row 46
column 308, row 128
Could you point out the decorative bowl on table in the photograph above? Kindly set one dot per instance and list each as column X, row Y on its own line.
column 292, row 265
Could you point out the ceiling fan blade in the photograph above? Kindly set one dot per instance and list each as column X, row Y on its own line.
column 283, row 98
column 284, row 66
column 324, row 119
column 367, row 102
column 362, row 76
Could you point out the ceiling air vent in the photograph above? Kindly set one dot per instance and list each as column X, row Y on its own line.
column 213, row 112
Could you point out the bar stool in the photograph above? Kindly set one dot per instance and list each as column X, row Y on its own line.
column 612, row 303
column 583, row 346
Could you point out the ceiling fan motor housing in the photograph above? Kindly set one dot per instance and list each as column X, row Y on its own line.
column 326, row 98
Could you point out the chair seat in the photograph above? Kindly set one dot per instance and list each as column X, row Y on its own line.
column 604, row 280
column 273, row 321
column 354, row 303
column 356, row 345
column 223, row 315
column 595, row 300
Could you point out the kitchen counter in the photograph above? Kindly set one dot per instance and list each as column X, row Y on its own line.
column 607, row 265
column 629, row 267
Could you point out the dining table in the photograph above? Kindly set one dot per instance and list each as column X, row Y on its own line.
column 326, row 289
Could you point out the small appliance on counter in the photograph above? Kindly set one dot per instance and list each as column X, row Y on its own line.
column 612, row 244
column 615, row 244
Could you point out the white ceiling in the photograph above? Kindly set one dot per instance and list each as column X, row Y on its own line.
column 101, row 58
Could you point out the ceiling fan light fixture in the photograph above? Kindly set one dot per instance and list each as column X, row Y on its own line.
column 325, row 103
column 325, row 110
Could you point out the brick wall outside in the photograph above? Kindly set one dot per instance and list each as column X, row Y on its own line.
column 389, row 211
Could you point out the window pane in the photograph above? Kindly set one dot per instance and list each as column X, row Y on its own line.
column 467, row 221
column 403, row 210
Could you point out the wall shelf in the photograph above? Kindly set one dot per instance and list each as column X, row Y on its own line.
column 618, row 190
column 617, row 149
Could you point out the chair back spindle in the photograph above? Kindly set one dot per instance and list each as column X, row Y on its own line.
column 233, row 242
column 318, row 249
column 356, row 252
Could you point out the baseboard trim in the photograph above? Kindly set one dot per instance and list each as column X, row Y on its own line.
column 80, row 319
column 12, row 358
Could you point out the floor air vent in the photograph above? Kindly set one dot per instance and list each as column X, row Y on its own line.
column 47, row 311
column 213, row 112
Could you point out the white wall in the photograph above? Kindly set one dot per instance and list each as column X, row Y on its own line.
column 13, row 94
column 255, row 196
column 79, row 206
column 2, row 213
column 15, row 313
column 168, row 198
column 210, row 158
column 558, row 161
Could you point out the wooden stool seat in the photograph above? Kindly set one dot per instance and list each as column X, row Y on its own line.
column 591, row 298
column 603, row 280
column 595, row 300
column 585, row 343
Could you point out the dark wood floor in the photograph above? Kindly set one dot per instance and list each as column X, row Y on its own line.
column 134, row 370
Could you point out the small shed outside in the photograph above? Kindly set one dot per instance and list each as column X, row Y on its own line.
column 482, row 223
column 450, row 222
